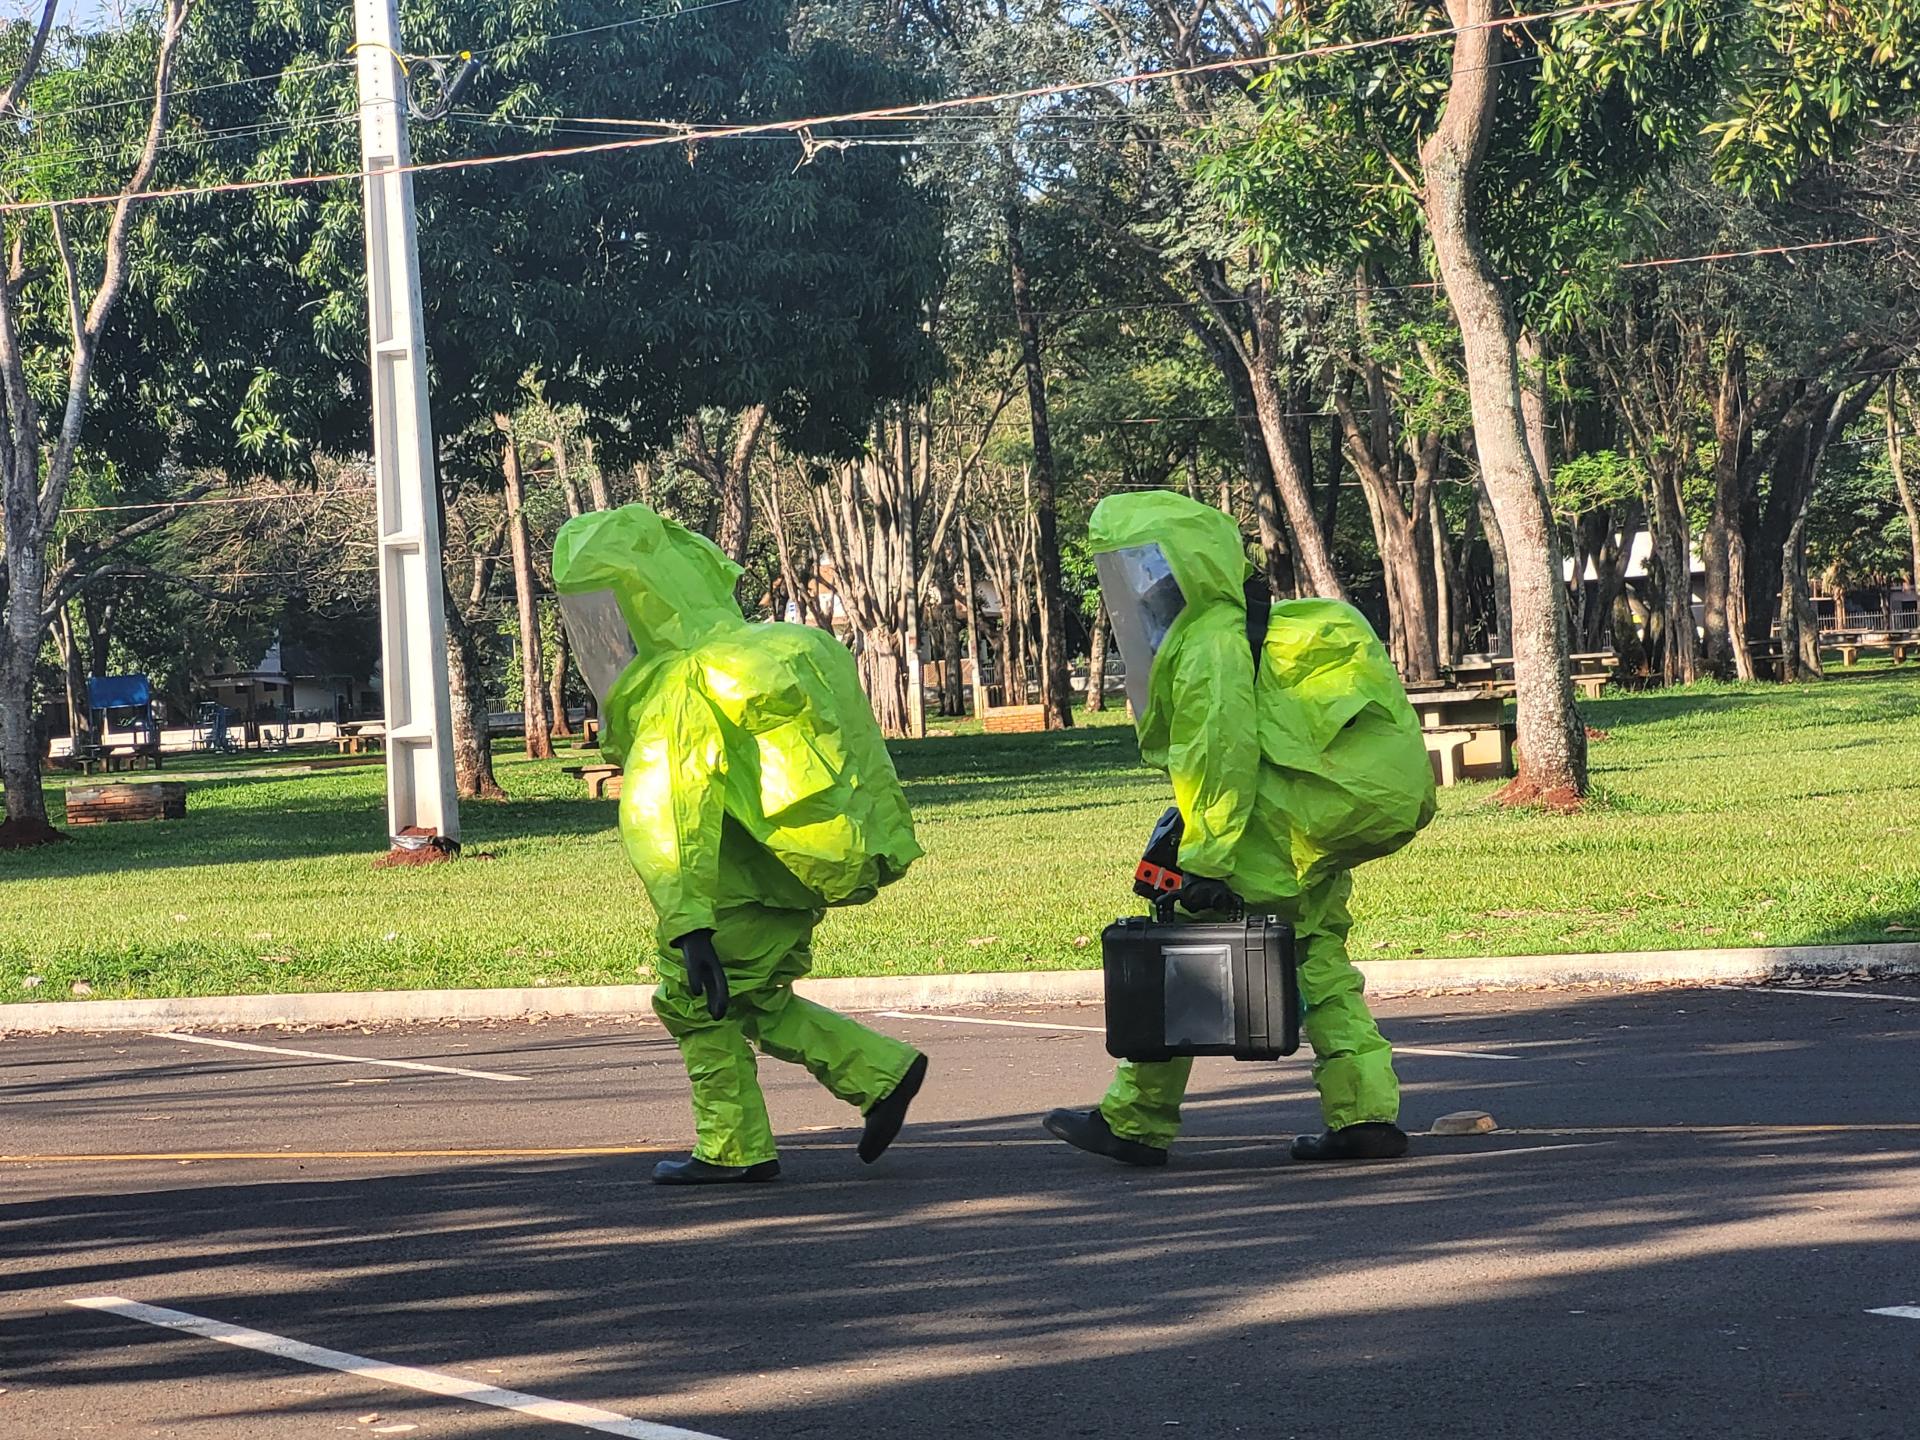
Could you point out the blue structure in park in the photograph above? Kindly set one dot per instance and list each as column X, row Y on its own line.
column 125, row 702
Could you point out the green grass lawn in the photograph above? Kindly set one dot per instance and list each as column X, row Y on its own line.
column 1723, row 815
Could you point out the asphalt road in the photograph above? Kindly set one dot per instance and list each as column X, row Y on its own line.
column 1695, row 1202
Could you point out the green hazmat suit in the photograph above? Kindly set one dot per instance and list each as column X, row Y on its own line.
column 1284, row 780
column 756, row 792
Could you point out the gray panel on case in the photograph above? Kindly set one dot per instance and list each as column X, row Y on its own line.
column 1199, row 994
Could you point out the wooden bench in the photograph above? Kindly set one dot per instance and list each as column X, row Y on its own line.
column 357, row 743
column 106, row 804
column 601, row 780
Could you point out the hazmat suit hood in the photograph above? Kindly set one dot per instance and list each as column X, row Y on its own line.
column 635, row 587
column 1141, row 540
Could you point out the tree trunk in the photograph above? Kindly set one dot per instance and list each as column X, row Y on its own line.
column 467, row 692
column 1797, row 441
column 596, row 481
column 1310, row 551
column 1552, row 740
column 973, row 619
column 1799, row 619
column 1500, row 642
column 1738, row 625
column 99, row 631
column 1449, row 588
column 1897, row 459
column 1673, row 556
column 730, row 475
column 1407, row 579
column 533, row 694
column 947, row 622
column 26, row 801
column 1097, row 661
column 1056, row 693
column 557, row 682
column 1610, row 578
column 73, row 674
column 1533, row 401
column 562, row 649
column 1330, row 493
column 886, row 684
column 1275, row 553
column 1731, row 437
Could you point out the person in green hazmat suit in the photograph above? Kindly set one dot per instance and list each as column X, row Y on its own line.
column 1294, row 755
column 756, row 792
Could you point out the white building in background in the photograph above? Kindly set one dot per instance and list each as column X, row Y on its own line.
column 285, row 684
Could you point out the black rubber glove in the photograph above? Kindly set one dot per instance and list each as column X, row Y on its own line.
column 1197, row 894
column 704, row 975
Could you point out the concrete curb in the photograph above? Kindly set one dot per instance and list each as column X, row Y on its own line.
column 925, row 992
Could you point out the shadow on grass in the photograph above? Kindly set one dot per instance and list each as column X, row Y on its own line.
column 293, row 831
column 983, row 1281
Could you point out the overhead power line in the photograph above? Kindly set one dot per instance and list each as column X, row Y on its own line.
column 217, row 500
column 804, row 126
column 40, row 117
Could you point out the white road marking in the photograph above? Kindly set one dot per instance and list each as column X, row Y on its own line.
column 1899, row 1312
column 1101, row 1030
column 451, row 1386
column 326, row 1055
column 1827, row 994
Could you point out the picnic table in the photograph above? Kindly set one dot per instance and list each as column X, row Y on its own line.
column 601, row 780
column 1592, row 669
column 1468, row 736
column 360, row 737
column 1898, row 643
column 119, row 757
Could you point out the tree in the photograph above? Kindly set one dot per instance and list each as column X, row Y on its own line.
column 36, row 457
column 645, row 290
column 535, row 723
column 1551, row 737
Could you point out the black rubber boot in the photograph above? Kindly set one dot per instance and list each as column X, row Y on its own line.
column 1371, row 1140
column 1088, row 1130
column 889, row 1112
column 695, row 1171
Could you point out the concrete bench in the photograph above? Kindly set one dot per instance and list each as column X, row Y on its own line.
column 1470, row 751
column 602, row 781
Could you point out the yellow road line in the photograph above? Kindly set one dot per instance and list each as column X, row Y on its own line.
column 181, row 1155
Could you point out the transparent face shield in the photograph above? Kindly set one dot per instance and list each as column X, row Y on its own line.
column 1143, row 600
column 597, row 632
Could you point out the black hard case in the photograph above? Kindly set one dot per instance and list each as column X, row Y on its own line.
column 1204, row 988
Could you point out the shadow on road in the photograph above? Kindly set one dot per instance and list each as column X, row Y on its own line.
column 1587, row 1276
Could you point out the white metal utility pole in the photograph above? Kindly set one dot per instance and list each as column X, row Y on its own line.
column 421, row 800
